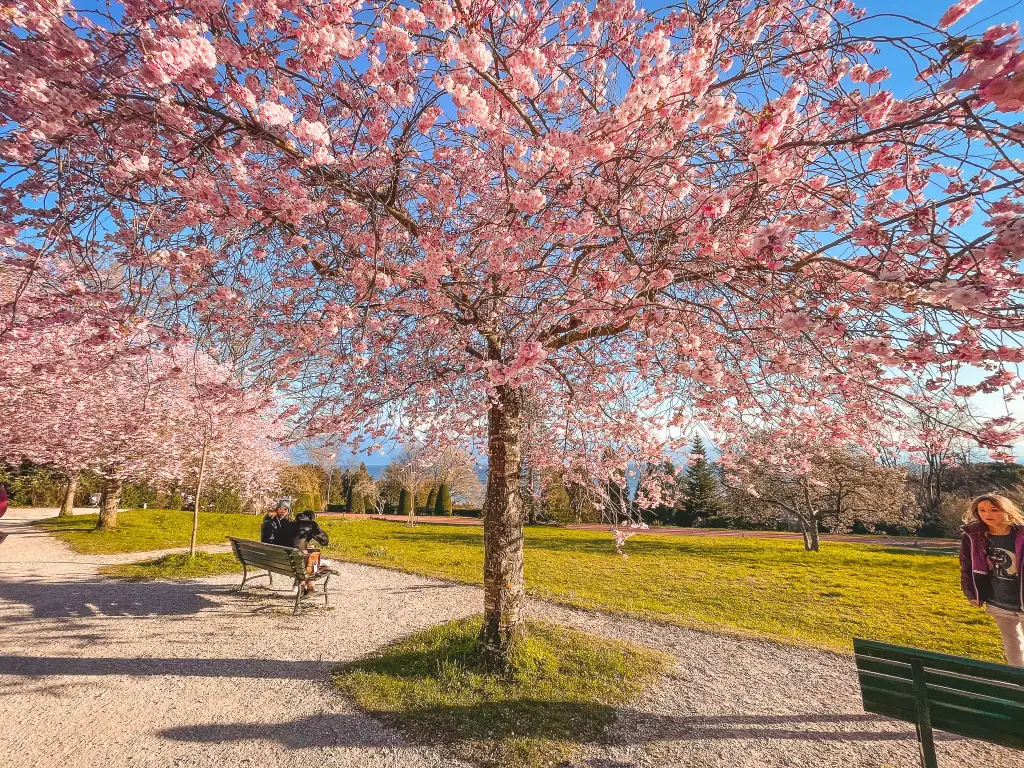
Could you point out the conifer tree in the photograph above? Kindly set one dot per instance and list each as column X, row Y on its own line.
column 702, row 495
column 443, row 502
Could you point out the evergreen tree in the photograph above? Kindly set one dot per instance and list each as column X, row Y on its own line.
column 702, row 497
column 404, row 503
column 555, row 499
column 443, row 503
column 358, row 505
column 350, row 497
column 431, row 501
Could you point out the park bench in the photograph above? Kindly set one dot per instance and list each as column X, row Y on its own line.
column 977, row 699
column 272, row 558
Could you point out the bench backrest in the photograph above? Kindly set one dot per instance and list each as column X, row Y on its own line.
column 977, row 699
column 269, row 557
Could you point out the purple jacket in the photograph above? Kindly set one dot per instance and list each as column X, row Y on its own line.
column 974, row 560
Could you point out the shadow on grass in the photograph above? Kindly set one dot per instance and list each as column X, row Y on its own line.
column 926, row 551
column 730, row 547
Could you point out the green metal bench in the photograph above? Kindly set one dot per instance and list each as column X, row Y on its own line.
column 970, row 698
column 271, row 558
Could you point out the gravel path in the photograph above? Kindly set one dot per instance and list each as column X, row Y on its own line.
column 96, row 672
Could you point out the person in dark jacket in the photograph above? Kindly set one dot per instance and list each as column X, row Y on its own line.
column 991, row 553
column 299, row 533
column 272, row 525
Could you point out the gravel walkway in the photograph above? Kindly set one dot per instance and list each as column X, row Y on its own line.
column 95, row 672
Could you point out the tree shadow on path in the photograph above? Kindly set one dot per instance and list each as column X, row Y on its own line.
column 93, row 598
column 331, row 730
column 269, row 669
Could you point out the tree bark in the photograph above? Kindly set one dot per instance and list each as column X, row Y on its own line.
column 199, row 495
column 809, row 530
column 503, row 530
column 109, row 499
column 67, row 508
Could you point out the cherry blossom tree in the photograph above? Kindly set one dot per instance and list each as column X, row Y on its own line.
column 86, row 390
column 816, row 484
column 726, row 211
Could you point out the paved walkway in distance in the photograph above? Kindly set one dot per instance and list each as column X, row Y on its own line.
column 673, row 530
column 96, row 672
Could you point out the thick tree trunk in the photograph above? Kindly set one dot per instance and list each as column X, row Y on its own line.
column 109, row 499
column 199, row 495
column 67, row 508
column 503, row 530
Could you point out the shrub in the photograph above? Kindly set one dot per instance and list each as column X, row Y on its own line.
column 356, row 504
column 443, row 503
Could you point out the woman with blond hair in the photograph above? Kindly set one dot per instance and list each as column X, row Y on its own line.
column 991, row 552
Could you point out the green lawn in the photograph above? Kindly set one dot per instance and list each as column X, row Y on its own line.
column 760, row 587
column 141, row 530
column 559, row 694
column 175, row 566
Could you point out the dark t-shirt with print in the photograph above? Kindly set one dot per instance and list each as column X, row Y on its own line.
column 1003, row 571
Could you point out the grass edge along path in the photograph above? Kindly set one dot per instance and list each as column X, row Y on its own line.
column 177, row 565
column 141, row 530
column 560, row 694
column 756, row 588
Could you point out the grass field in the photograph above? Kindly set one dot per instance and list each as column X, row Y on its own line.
column 141, row 530
column 559, row 694
column 759, row 587
column 175, row 566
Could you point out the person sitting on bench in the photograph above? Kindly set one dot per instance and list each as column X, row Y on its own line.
column 299, row 533
column 272, row 525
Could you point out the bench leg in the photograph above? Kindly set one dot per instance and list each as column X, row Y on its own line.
column 925, row 740
column 325, row 589
column 298, row 596
column 246, row 577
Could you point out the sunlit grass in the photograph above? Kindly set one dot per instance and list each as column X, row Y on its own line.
column 141, row 530
column 559, row 694
column 744, row 585
column 176, row 566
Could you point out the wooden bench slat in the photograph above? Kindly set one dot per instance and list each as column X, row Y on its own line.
column 939, row 682
column 973, row 685
column 279, row 552
column 284, row 556
column 982, row 705
column 886, row 683
column 888, row 707
column 884, row 667
column 939, row 661
column 252, row 557
column 260, row 565
column 964, row 723
column 887, row 697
